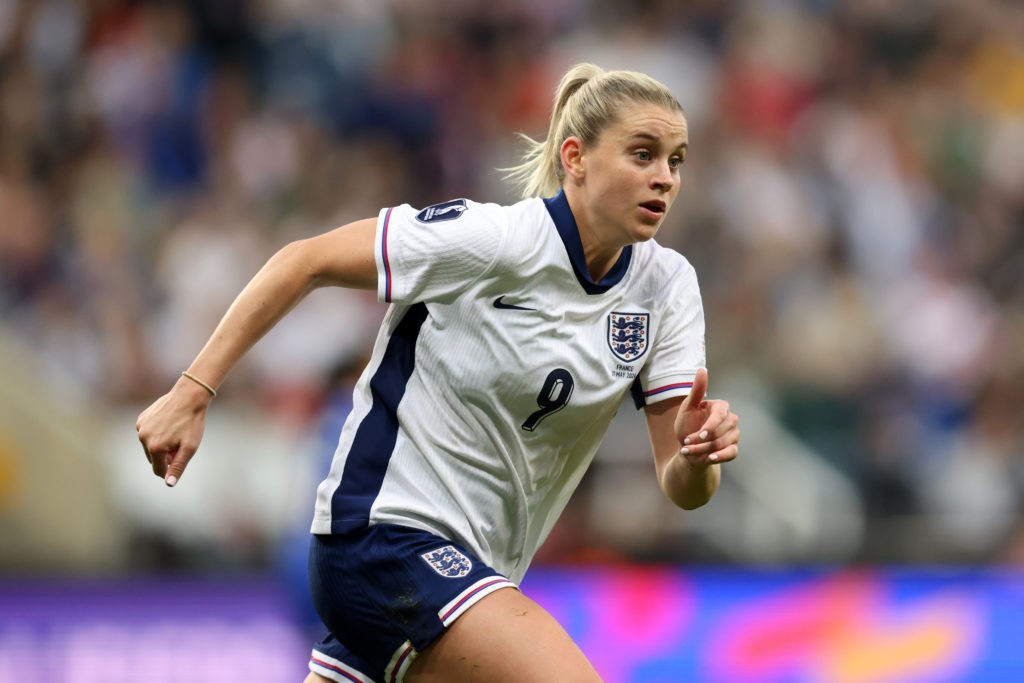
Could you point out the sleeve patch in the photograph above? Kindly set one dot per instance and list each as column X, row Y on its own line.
column 445, row 211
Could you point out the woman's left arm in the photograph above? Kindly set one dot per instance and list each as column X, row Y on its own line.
column 690, row 438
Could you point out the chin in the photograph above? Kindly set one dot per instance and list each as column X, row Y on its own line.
column 643, row 233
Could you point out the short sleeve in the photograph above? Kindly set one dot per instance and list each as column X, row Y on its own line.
column 678, row 350
column 435, row 253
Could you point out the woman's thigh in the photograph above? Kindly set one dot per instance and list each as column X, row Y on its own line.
column 504, row 638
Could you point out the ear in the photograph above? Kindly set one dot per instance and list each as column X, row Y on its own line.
column 572, row 158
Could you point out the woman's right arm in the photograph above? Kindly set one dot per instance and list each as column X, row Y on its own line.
column 171, row 428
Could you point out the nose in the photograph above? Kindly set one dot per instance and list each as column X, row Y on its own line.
column 662, row 177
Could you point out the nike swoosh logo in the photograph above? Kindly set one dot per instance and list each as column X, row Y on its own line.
column 498, row 303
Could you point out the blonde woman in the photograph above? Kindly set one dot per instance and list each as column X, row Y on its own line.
column 514, row 334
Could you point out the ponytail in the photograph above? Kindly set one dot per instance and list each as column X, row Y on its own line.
column 540, row 174
column 586, row 102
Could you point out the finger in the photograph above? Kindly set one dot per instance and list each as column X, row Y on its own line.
column 717, row 422
column 726, row 454
column 711, row 456
column 697, row 391
column 155, row 454
column 726, row 435
column 149, row 456
column 159, row 459
column 177, row 463
column 712, row 426
column 729, row 438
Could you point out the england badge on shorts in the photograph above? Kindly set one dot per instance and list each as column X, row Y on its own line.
column 448, row 562
column 627, row 335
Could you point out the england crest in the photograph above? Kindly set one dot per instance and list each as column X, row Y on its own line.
column 448, row 562
column 627, row 335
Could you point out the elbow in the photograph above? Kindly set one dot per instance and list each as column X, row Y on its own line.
column 687, row 498
column 297, row 260
column 693, row 502
column 694, row 489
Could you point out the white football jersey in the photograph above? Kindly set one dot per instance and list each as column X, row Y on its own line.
column 497, row 370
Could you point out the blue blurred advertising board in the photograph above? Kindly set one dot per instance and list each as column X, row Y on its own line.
column 646, row 625
column 156, row 631
column 730, row 626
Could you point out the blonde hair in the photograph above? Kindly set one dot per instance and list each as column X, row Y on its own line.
column 587, row 101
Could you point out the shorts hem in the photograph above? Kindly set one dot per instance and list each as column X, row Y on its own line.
column 472, row 595
column 336, row 670
column 400, row 663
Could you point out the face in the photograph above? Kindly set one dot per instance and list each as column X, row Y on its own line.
column 629, row 178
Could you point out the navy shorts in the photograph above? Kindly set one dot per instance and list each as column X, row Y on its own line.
column 385, row 593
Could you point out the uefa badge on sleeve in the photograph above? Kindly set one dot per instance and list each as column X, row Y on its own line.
column 448, row 562
column 445, row 211
column 627, row 335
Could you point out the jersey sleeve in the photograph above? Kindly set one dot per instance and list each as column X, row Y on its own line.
column 434, row 254
column 678, row 349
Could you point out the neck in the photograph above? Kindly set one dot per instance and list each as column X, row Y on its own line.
column 599, row 252
column 599, row 258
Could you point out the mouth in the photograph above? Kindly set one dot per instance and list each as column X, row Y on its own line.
column 655, row 207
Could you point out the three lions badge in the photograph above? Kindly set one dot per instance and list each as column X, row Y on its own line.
column 627, row 335
column 448, row 562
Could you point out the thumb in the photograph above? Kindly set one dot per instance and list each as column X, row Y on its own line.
column 697, row 392
column 176, row 463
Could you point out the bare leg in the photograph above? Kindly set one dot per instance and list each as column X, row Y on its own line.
column 316, row 678
column 504, row 638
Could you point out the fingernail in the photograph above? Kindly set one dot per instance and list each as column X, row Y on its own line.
column 686, row 441
column 704, row 435
column 713, row 457
column 171, row 480
column 684, row 450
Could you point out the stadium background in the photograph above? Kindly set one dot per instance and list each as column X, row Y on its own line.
column 853, row 201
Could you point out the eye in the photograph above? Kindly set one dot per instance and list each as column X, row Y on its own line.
column 642, row 155
column 676, row 162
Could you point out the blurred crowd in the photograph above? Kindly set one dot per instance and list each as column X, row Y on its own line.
column 853, row 202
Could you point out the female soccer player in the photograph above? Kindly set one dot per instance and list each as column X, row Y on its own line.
column 513, row 336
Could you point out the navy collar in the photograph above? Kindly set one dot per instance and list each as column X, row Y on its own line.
column 561, row 214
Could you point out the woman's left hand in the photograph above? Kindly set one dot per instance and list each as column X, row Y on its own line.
column 707, row 429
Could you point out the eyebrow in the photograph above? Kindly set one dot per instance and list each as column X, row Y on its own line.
column 654, row 138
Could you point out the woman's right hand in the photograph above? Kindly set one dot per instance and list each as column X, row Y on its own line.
column 172, row 427
column 170, row 430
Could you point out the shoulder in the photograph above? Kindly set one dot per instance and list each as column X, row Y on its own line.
column 520, row 227
column 463, row 213
column 664, row 266
column 526, row 211
column 450, row 212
